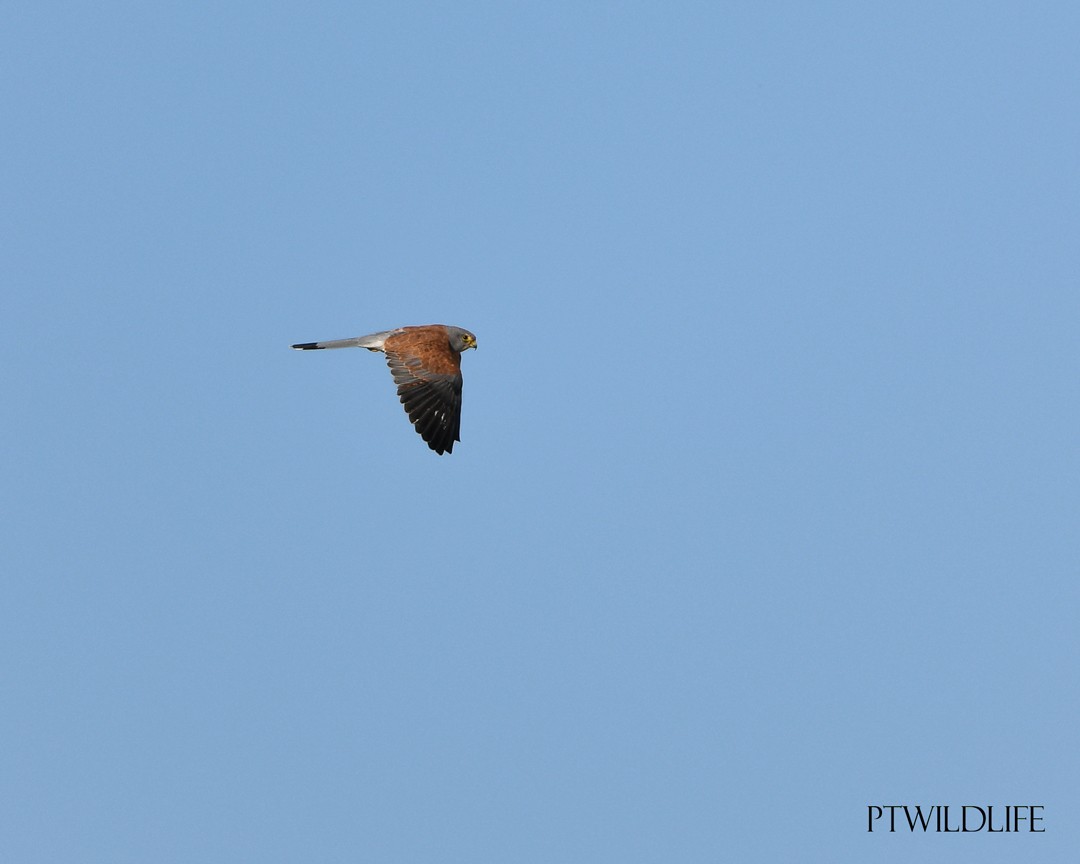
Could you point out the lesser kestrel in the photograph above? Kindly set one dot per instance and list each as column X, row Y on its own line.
column 426, row 365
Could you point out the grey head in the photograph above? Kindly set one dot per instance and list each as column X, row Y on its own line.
column 460, row 339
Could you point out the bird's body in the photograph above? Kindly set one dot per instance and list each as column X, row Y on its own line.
column 426, row 365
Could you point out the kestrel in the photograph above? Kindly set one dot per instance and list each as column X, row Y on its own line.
column 426, row 365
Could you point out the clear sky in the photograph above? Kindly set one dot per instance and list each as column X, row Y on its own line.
column 766, row 505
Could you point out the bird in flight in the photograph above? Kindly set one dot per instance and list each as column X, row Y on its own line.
column 426, row 365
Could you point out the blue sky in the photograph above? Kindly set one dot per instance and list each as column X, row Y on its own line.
column 765, row 508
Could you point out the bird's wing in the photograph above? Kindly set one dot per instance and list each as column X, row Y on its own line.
column 428, row 377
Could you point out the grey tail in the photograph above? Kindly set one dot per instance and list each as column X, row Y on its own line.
column 372, row 342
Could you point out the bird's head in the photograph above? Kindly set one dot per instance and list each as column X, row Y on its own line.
column 461, row 340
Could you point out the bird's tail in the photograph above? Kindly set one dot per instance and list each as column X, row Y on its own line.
column 374, row 342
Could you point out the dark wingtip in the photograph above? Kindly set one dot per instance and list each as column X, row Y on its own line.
column 308, row 346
